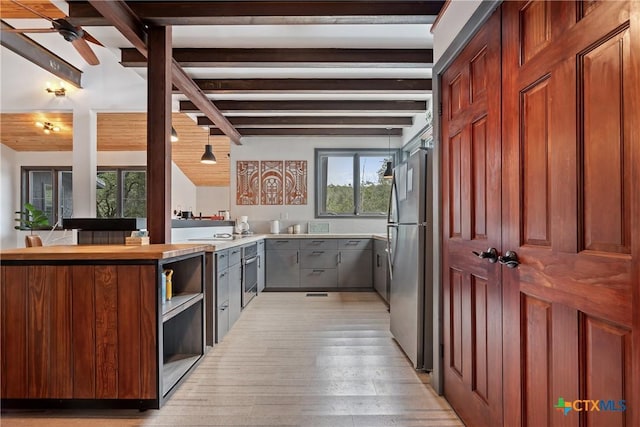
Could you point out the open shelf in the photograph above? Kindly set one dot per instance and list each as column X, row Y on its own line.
column 178, row 304
column 174, row 368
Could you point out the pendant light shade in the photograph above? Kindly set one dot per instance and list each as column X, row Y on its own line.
column 208, row 157
column 174, row 135
column 388, row 172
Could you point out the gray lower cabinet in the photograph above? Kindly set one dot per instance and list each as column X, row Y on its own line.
column 261, row 266
column 235, row 285
column 319, row 263
column 222, row 294
column 380, row 282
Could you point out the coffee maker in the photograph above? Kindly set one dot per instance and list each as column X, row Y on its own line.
column 242, row 225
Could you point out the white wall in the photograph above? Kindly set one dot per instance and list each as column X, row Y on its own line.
column 183, row 191
column 296, row 148
column 212, row 199
column 457, row 14
column 8, row 186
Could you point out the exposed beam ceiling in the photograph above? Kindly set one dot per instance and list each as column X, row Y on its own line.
column 268, row 12
column 410, row 107
column 37, row 54
column 315, row 131
column 212, row 86
column 321, row 57
column 309, row 121
column 120, row 15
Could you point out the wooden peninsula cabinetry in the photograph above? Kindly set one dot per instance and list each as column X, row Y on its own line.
column 85, row 325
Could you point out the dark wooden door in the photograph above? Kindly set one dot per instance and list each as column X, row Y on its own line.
column 571, row 211
column 471, row 222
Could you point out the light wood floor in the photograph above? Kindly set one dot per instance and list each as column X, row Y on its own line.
column 290, row 360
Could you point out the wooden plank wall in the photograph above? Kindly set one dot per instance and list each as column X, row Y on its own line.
column 84, row 332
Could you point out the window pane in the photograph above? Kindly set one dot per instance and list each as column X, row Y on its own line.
column 41, row 192
column 65, row 195
column 134, row 194
column 339, row 190
column 107, row 195
column 374, row 189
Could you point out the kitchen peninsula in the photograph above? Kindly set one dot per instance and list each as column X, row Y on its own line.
column 86, row 325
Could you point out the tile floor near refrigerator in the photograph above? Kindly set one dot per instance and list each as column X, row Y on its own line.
column 291, row 360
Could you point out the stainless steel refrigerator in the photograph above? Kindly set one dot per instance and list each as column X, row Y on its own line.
column 410, row 236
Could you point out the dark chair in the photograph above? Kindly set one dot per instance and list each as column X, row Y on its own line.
column 32, row 240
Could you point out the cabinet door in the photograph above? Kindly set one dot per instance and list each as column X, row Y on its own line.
column 235, row 293
column 354, row 269
column 261, row 269
column 235, row 256
column 282, row 269
column 380, row 270
column 222, row 321
column 319, row 259
column 324, row 278
column 222, row 304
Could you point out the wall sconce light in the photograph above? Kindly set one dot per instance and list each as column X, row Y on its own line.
column 208, row 157
column 48, row 127
column 174, row 135
column 59, row 91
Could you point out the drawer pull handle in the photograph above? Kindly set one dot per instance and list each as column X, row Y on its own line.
column 318, row 271
column 316, row 253
column 317, row 242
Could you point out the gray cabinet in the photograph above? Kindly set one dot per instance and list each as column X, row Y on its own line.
column 261, row 266
column 319, row 263
column 354, row 263
column 235, row 285
column 222, row 294
column 283, row 269
column 380, row 282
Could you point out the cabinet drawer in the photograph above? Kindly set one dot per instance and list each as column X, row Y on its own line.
column 235, row 255
column 348, row 244
column 318, row 277
column 318, row 244
column 279, row 244
column 222, row 260
column 261, row 246
column 319, row 259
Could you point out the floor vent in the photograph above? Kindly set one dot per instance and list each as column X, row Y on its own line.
column 318, row 294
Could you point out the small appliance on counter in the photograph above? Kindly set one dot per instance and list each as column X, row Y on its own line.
column 242, row 225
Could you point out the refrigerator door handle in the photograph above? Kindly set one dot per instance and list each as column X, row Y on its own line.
column 389, row 259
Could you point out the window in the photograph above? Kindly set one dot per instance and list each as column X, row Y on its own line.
column 50, row 190
column 350, row 183
column 121, row 192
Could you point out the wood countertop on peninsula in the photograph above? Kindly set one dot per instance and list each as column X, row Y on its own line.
column 102, row 252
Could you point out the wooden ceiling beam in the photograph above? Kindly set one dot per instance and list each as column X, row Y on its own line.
column 268, row 12
column 312, row 121
column 313, row 85
column 276, row 57
column 315, row 132
column 313, row 106
column 125, row 20
column 40, row 56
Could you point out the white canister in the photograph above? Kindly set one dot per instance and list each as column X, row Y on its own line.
column 296, row 229
column 275, row 227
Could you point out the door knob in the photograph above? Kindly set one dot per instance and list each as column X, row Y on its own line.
column 510, row 259
column 490, row 254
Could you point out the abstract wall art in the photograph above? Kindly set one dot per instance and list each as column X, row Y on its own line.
column 295, row 182
column 271, row 182
column 247, row 182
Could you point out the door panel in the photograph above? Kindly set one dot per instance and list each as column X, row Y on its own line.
column 471, row 212
column 568, row 211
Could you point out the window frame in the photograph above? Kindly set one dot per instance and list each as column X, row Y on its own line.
column 356, row 153
column 25, row 191
column 120, row 171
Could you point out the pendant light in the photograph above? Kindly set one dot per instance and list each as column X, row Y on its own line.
column 388, row 172
column 174, row 135
column 208, row 157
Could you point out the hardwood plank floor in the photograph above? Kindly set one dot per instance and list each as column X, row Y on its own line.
column 291, row 360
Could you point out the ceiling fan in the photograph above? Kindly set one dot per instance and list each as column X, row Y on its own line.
column 76, row 35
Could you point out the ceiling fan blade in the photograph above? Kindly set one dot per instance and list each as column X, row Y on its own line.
column 35, row 12
column 31, row 30
column 85, row 51
column 88, row 37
